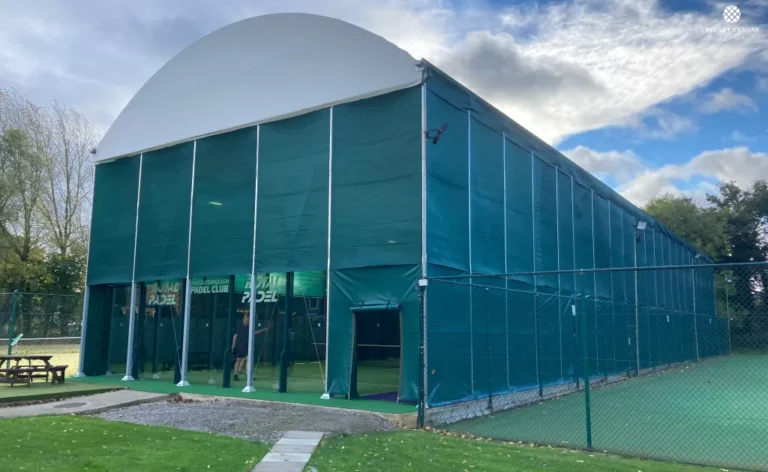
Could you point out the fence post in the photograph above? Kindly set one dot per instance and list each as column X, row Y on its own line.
column 287, row 318
column 12, row 322
column 585, row 357
column 695, row 322
column 488, row 350
column 422, row 286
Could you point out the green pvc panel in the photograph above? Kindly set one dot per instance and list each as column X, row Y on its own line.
column 520, row 251
column 545, row 224
column 292, row 217
column 447, row 186
column 603, row 247
column 369, row 286
column 113, row 225
column 449, row 354
column 489, row 338
column 566, row 282
column 550, row 346
column 585, row 287
column 222, row 222
column 97, row 330
column 486, row 197
column 376, row 183
column 522, row 340
column 162, row 243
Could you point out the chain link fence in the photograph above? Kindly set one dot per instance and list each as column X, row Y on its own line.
column 664, row 363
column 36, row 323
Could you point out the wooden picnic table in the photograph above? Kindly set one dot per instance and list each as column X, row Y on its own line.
column 38, row 366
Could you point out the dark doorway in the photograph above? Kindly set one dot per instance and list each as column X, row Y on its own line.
column 376, row 348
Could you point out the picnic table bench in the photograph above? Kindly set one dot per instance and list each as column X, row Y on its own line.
column 37, row 366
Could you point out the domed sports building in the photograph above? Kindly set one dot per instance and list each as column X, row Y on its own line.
column 267, row 204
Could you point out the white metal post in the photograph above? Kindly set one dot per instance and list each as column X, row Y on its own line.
column 469, row 206
column 326, row 395
column 188, row 286
column 695, row 322
column 132, row 317
column 84, row 324
column 637, row 312
column 252, row 305
column 423, row 321
column 131, row 323
column 506, row 268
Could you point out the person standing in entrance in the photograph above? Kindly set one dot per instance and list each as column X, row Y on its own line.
column 240, row 344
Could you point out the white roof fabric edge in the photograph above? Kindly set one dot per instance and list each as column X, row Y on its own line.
column 253, row 71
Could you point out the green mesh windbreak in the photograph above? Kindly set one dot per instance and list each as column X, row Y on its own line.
column 113, row 226
column 546, row 308
column 447, row 180
column 448, row 339
column 222, row 221
column 520, row 251
column 394, row 285
column 585, row 286
column 97, row 330
column 376, row 205
column 486, row 198
column 602, row 247
column 166, row 180
column 565, row 282
column 292, row 217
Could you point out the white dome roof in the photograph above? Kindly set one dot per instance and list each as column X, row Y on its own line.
column 256, row 70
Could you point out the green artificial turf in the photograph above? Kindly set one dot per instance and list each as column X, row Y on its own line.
column 424, row 451
column 714, row 413
column 72, row 443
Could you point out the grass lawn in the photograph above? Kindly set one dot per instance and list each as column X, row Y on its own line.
column 42, row 390
column 73, row 443
column 417, row 451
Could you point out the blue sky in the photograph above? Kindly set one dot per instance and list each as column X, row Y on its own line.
column 653, row 96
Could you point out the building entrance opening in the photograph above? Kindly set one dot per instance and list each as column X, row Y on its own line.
column 376, row 355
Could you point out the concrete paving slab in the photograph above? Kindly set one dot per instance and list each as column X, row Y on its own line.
column 293, row 449
column 303, row 435
column 279, row 467
column 85, row 404
column 298, row 442
column 286, row 457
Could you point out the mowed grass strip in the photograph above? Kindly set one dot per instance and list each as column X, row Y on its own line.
column 74, row 443
column 418, row 450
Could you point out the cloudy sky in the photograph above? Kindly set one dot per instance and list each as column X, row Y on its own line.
column 652, row 96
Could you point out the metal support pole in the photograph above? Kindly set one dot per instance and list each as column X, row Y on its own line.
column 140, row 317
column 83, row 329
column 228, row 333
column 728, row 314
column 12, row 325
column 211, row 322
column 251, row 323
column 422, row 287
column 585, row 356
column 109, row 331
column 131, row 323
column 637, row 319
column 695, row 322
column 185, row 333
column 287, row 321
column 488, row 350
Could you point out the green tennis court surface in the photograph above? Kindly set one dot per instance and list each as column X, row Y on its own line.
column 713, row 413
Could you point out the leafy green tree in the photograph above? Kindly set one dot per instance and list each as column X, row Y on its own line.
column 705, row 228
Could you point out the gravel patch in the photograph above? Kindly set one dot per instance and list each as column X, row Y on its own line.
column 259, row 421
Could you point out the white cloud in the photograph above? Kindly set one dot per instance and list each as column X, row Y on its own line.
column 558, row 69
column 621, row 166
column 727, row 100
column 639, row 183
column 762, row 84
column 739, row 137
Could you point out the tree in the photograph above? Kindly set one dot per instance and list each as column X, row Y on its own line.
column 704, row 228
column 68, row 177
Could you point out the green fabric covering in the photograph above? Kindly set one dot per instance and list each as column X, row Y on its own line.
column 376, row 209
column 449, row 356
column 366, row 286
column 566, row 282
column 292, row 216
column 222, row 221
column 166, row 180
column 520, row 251
column 447, row 187
column 96, row 330
column 113, row 225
